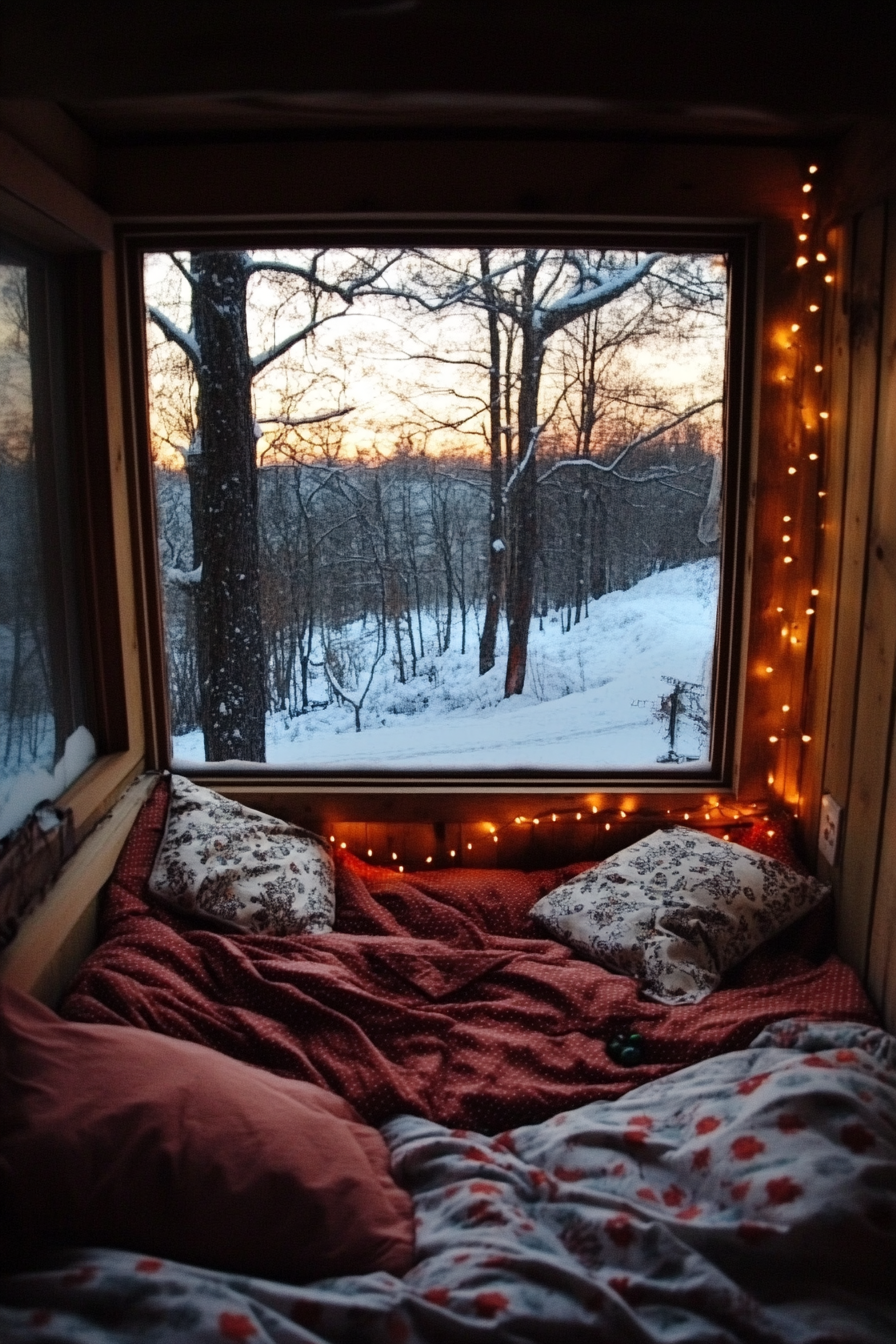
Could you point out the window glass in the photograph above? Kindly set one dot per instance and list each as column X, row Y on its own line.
column 439, row 508
column 45, row 742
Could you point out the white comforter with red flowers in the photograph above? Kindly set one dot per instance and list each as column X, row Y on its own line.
column 751, row 1197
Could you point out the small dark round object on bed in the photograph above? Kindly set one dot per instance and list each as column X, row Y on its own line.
column 630, row 1056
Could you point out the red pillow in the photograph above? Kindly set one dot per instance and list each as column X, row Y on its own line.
column 116, row 1136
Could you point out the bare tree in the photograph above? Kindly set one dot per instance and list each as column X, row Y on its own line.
column 223, row 471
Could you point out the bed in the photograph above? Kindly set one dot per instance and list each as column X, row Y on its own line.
column 737, row 1184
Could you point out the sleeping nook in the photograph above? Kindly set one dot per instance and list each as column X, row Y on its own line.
column 447, row 673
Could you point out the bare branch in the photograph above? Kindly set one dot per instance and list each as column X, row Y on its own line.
column 609, row 468
column 294, row 421
column 172, row 332
column 267, row 357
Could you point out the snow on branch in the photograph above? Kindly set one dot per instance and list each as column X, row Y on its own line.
column 610, row 468
column 520, row 467
column 294, row 421
column 172, row 332
column 593, row 291
column 267, row 357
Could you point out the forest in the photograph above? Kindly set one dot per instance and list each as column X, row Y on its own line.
column 367, row 459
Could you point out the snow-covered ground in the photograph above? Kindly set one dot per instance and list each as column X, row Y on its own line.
column 576, row 712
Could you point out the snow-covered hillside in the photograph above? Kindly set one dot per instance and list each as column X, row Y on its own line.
column 577, row 710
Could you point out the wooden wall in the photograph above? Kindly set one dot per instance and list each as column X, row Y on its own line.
column 854, row 669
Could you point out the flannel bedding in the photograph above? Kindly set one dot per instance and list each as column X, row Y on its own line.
column 749, row 1198
column 434, row 995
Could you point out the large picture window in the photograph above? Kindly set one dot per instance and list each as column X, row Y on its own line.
column 45, row 721
column 447, row 509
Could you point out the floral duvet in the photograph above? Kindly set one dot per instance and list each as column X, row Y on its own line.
column 751, row 1197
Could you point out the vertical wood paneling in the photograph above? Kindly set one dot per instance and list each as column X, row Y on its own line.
column 835, row 384
column 882, row 949
column 877, row 654
column 864, row 319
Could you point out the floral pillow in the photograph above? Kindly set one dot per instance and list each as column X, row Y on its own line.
column 240, row 868
column 676, row 910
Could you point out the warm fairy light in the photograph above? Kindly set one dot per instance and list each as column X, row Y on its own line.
column 788, row 559
column 491, row 828
column 332, row 839
column 786, row 709
column 802, row 261
column 495, row 838
column 820, row 256
column 785, row 537
column 786, row 518
column 769, row 669
column 773, row 738
column 822, row 493
column 829, row 279
column 370, row 853
column 726, row 837
column 594, row 809
column 806, row 737
column 607, row 826
column 791, row 471
column 802, row 237
column 779, row 609
column 622, row 814
column 770, row 834
column 813, row 307
column 794, row 326
column 401, row 867
column 707, row 816
column 452, row 853
column 807, row 186
column 553, row 816
column 793, row 639
column 805, row 215
column 343, row 845
column 810, row 611
column 785, row 630
column 814, row 592
column 394, row 857
column 469, row 846
column 771, row 779
column 824, row 415
column 818, row 368
column 535, row 821
column 429, row 858
column 813, row 457
column 813, row 167
column 578, row 816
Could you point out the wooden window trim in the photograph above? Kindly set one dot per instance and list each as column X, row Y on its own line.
column 370, row 794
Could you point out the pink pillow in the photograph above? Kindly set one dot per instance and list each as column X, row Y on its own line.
column 117, row 1136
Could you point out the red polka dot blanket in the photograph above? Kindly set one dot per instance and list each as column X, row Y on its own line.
column 749, row 1198
column 434, row 996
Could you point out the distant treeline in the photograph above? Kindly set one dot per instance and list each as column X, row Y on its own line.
column 391, row 544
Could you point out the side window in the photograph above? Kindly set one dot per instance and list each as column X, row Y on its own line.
column 46, row 740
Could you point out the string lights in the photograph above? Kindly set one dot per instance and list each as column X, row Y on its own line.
column 802, row 343
column 711, row 815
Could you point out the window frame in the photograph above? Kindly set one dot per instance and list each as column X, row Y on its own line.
column 43, row 215
column 741, row 243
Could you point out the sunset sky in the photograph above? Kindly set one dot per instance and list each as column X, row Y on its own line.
column 385, row 358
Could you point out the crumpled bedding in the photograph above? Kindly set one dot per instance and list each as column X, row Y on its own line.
column 749, row 1198
column 433, row 997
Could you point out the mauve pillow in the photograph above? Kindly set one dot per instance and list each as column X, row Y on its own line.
column 117, row 1136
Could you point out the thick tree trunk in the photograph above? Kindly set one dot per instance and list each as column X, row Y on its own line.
column 230, row 653
column 497, row 546
column 522, row 504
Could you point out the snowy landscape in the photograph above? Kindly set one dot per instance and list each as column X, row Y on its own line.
column 577, row 710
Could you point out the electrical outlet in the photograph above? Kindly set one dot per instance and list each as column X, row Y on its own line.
column 829, row 828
